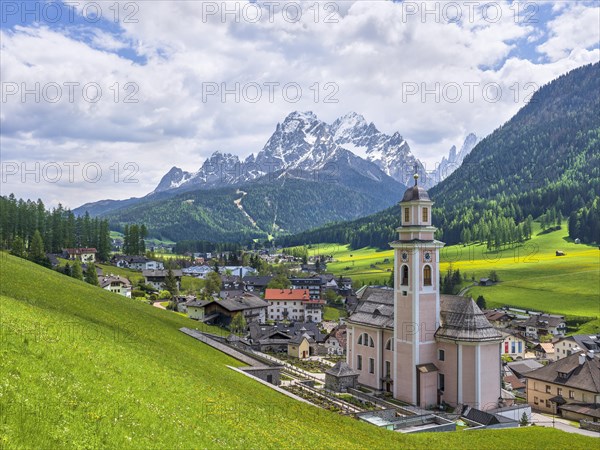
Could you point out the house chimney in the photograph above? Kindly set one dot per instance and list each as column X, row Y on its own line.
column 581, row 358
column 590, row 354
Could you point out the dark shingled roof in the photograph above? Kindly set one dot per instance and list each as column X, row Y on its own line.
column 544, row 320
column 462, row 320
column 341, row 369
column 415, row 192
column 245, row 301
column 585, row 376
column 375, row 308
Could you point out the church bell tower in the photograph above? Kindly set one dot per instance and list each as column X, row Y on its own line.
column 416, row 300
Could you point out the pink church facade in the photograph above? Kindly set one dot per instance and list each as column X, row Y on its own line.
column 424, row 348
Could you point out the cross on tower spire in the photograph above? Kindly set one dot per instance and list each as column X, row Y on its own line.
column 416, row 175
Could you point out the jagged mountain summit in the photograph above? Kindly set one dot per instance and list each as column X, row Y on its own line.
column 303, row 145
column 390, row 153
column 454, row 160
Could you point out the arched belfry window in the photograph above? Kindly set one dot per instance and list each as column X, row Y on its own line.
column 425, row 215
column 406, row 215
column 427, row 275
column 389, row 345
column 404, row 275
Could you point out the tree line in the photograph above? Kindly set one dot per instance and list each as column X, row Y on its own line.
column 134, row 239
column 28, row 227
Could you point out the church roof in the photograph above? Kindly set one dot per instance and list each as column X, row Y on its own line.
column 375, row 308
column 415, row 192
column 462, row 320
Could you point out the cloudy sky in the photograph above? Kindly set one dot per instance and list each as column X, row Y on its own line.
column 100, row 99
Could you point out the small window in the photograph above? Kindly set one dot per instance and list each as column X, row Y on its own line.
column 571, row 395
column 548, row 389
column 406, row 215
column 425, row 215
column 404, row 281
column 360, row 339
column 535, row 400
column 441, row 381
column 441, row 355
column 388, row 369
column 558, row 391
column 371, row 365
column 427, row 275
column 358, row 362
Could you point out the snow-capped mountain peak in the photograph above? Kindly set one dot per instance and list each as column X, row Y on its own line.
column 305, row 144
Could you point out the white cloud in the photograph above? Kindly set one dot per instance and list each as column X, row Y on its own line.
column 370, row 52
column 578, row 27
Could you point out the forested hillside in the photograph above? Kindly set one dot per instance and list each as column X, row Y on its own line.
column 284, row 205
column 544, row 161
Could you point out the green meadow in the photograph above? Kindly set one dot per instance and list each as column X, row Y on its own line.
column 531, row 275
column 84, row 368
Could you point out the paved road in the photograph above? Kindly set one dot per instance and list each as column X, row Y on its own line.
column 559, row 424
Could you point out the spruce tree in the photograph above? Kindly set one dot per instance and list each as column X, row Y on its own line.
column 18, row 247
column 76, row 271
column 91, row 276
column 171, row 282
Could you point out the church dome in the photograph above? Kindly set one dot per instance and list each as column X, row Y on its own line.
column 415, row 192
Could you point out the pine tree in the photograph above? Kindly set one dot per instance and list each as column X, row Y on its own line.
column 91, row 277
column 171, row 282
column 103, row 241
column 481, row 302
column 36, row 247
column 76, row 271
column 67, row 270
column 18, row 247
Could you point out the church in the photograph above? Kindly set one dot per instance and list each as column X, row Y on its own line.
column 424, row 348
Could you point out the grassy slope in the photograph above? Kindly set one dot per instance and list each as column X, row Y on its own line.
column 84, row 368
column 532, row 276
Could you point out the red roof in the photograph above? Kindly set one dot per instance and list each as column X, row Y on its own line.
column 78, row 251
column 287, row 294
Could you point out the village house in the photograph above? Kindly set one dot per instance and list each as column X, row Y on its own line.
column 240, row 271
column 423, row 347
column 301, row 346
column 335, row 342
column 84, row 255
column 576, row 343
column 294, row 305
column 118, row 285
column 499, row 318
column 544, row 351
column 275, row 338
column 256, row 283
column 136, row 263
column 231, row 282
column 221, row 312
column 197, row 271
column 569, row 386
column 513, row 345
column 195, row 309
column 156, row 278
column 311, row 284
column 541, row 324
